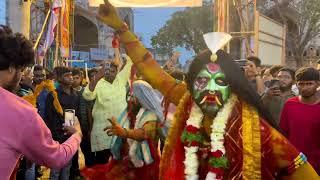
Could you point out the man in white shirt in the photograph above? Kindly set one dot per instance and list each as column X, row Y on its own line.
column 108, row 89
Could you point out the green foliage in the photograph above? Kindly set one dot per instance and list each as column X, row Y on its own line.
column 221, row 162
column 307, row 27
column 185, row 29
column 302, row 18
column 189, row 137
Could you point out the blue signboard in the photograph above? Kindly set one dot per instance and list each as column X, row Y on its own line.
column 84, row 57
column 98, row 54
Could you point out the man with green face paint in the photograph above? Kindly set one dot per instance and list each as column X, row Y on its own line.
column 220, row 129
column 211, row 91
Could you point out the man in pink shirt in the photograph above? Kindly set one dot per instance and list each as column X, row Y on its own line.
column 22, row 131
column 300, row 118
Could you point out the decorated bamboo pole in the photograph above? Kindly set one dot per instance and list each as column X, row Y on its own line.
column 56, row 55
column 256, row 29
column 228, row 24
column 42, row 30
column 221, row 18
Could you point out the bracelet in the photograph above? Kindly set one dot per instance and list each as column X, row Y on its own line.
column 298, row 161
column 294, row 165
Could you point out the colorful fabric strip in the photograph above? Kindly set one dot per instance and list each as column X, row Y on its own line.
column 251, row 143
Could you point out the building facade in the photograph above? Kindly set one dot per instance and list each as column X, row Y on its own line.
column 90, row 32
column 87, row 34
column 290, row 10
column 85, row 30
column 3, row 12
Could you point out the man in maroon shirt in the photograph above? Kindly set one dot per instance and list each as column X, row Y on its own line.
column 300, row 118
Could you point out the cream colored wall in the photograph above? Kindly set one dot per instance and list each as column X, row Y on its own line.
column 19, row 16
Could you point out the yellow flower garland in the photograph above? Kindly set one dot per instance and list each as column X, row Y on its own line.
column 49, row 85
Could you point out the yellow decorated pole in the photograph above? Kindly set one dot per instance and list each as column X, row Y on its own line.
column 42, row 30
column 220, row 13
column 56, row 54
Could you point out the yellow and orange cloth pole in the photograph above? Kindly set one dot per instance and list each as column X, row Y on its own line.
column 220, row 15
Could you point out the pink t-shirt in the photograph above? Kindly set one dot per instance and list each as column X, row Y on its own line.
column 23, row 132
column 301, row 124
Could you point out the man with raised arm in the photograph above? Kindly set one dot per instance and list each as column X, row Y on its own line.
column 221, row 129
column 108, row 89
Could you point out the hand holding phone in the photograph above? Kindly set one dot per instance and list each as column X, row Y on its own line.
column 275, row 91
column 69, row 130
column 274, row 88
column 69, row 117
column 242, row 64
column 274, row 83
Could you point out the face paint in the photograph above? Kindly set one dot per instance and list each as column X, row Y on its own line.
column 210, row 90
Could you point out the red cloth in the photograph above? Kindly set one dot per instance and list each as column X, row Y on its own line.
column 301, row 124
column 123, row 169
column 115, row 42
column 275, row 148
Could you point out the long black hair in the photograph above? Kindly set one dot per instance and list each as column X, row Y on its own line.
column 234, row 76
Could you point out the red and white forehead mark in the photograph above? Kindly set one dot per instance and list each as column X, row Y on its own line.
column 213, row 67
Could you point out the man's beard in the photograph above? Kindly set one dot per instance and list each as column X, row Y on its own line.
column 12, row 85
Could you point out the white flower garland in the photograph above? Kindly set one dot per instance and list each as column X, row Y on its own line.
column 218, row 128
column 191, row 159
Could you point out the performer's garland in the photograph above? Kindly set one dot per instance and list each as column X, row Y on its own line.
column 192, row 138
column 49, row 86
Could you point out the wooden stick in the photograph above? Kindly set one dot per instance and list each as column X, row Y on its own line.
column 42, row 30
column 56, row 60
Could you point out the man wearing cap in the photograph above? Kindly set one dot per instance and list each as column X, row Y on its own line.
column 300, row 118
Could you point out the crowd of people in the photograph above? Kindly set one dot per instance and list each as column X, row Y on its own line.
column 230, row 121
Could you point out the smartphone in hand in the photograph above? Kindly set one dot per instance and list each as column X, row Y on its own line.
column 274, row 88
column 69, row 117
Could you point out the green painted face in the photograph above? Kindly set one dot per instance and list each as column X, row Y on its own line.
column 210, row 89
